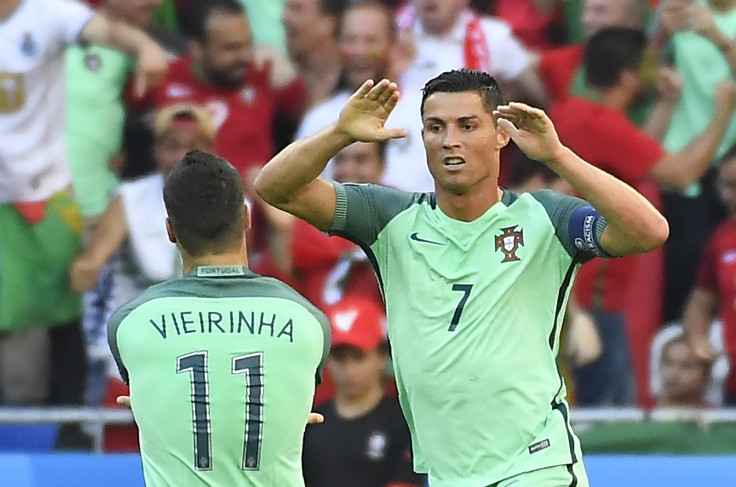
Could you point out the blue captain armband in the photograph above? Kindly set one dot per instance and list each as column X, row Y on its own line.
column 585, row 228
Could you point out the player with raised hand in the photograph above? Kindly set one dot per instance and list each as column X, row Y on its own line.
column 222, row 362
column 475, row 278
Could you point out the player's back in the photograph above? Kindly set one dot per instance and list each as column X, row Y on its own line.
column 221, row 366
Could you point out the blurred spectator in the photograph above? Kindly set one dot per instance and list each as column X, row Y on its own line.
column 704, row 53
column 682, row 379
column 440, row 35
column 311, row 40
column 132, row 223
column 561, row 68
column 225, row 74
column 96, row 78
column 364, row 441
column 715, row 291
column 601, row 134
column 537, row 23
column 41, row 224
column 368, row 46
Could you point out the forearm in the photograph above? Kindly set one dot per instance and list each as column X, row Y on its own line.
column 281, row 180
column 110, row 233
column 659, row 119
column 687, row 166
column 698, row 314
column 634, row 225
column 116, row 34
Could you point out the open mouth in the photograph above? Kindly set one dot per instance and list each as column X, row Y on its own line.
column 453, row 161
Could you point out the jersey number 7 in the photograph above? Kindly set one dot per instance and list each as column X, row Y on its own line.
column 252, row 366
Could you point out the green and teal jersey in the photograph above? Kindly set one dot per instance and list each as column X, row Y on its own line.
column 474, row 315
column 221, row 366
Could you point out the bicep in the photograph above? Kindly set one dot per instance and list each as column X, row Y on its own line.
column 315, row 203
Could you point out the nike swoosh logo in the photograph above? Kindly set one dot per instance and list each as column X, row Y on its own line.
column 415, row 236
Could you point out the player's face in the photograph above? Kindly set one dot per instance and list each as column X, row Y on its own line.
column 727, row 185
column 365, row 40
column 462, row 143
column 227, row 50
column 360, row 162
column 305, row 25
column 438, row 16
column 173, row 145
column 136, row 12
column 600, row 14
column 683, row 377
column 356, row 372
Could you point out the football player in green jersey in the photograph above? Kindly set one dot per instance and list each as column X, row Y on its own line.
column 475, row 278
column 221, row 363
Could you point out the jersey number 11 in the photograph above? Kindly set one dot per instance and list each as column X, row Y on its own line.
column 252, row 366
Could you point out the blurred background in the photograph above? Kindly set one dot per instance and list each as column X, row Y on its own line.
column 643, row 89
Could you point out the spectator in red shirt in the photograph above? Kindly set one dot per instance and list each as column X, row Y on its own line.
column 225, row 75
column 600, row 133
column 715, row 292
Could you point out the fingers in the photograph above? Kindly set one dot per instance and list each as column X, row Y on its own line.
column 123, row 401
column 390, row 104
column 393, row 134
column 315, row 418
column 364, row 89
column 508, row 127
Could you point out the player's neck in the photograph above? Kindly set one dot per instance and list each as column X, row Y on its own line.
column 354, row 407
column 469, row 206
column 239, row 257
column 8, row 8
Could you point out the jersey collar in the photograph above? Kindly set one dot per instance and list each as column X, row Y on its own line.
column 219, row 271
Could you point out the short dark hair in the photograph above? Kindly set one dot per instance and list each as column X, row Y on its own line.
column 205, row 200
column 332, row 7
column 610, row 52
column 524, row 168
column 461, row 80
column 196, row 18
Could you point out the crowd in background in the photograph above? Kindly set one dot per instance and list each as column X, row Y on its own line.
column 642, row 89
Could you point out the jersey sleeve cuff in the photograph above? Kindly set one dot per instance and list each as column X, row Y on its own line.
column 341, row 208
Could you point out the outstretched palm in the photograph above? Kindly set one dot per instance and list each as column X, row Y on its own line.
column 365, row 114
column 530, row 128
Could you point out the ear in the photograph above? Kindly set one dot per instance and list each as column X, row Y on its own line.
column 170, row 232
column 502, row 138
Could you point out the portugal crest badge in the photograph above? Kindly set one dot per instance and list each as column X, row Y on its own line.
column 508, row 243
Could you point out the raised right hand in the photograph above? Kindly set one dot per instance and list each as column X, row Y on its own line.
column 363, row 117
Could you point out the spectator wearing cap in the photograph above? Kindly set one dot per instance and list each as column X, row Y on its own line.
column 133, row 223
column 364, row 441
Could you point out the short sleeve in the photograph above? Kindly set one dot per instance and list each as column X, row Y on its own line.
column 707, row 272
column 68, row 18
column 578, row 226
column 113, row 325
column 363, row 210
column 508, row 56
